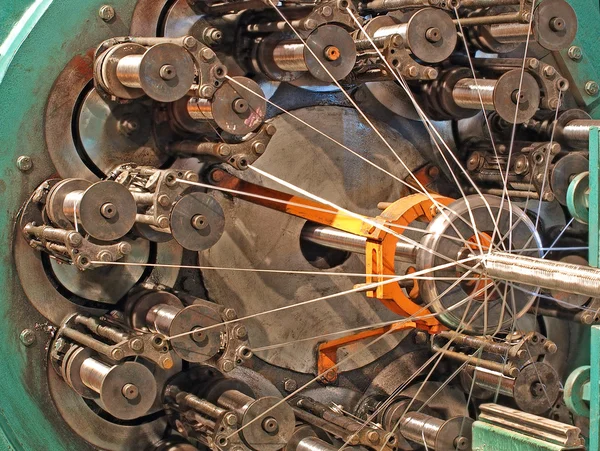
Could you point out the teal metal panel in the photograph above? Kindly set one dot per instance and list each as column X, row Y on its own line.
column 487, row 437
column 595, row 390
column 37, row 40
column 594, row 199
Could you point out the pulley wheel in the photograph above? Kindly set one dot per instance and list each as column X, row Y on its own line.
column 556, row 24
column 431, row 35
column 236, row 109
column 333, row 51
column 506, row 92
column 202, row 345
column 265, row 434
column 197, row 221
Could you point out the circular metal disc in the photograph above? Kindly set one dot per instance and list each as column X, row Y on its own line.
column 425, row 50
column 192, row 349
column 107, row 140
column 72, row 361
column 159, row 88
column 224, row 114
column 479, row 316
column 91, row 284
column 112, row 399
column 542, row 400
column 318, row 41
column 182, row 216
column 258, row 237
column 451, row 431
column 507, row 88
column 545, row 14
column 563, row 172
column 256, row 437
column 577, row 200
column 123, row 208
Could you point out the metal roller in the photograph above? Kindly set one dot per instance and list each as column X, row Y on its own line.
column 164, row 72
column 106, row 210
column 435, row 433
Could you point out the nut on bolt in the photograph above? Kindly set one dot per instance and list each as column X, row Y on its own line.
column 106, row 13
column 24, row 163
column 224, row 150
column 290, row 385
column 575, row 53
column 591, row 88
column 27, row 337
column 137, row 344
column 117, row 354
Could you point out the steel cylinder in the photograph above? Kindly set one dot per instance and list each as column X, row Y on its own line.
column 494, row 382
column 160, row 317
column 236, row 401
column 577, row 132
column 470, row 93
column 315, row 444
column 509, row 33
column 537, row 272
column 421, row 428
column 200, row 109
column 289, row 56
column 128, row 70
column 391, row 30
column 93, row 373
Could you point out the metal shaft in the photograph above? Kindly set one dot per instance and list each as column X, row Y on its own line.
column 508, row 33
column 316, row 444
column 337, row 239
column 289, row 56
column 538, row 272
column 467, row 92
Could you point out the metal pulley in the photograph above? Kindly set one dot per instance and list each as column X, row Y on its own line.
column 164, row 72
column 106, row 210
column 429, row 34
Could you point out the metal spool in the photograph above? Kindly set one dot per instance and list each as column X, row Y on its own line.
column 272, row 431
column 171, row 320
column 331, row 56
column 500, row 95
column 105, row 210
column 437, row 434
column 197, row 221
column 430, row 34
column 165, row 72
column 523, row 232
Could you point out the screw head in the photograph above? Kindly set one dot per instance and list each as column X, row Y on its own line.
column 229, row 314
column 24, row 163
column 231, row 419
column 575, row 53
column 75, row 239
column 137, row 344
column 106, row 13
column 167, row 362
column 591, row 88
column 224, row 150
column 207, row 54
column 27, row 337
column 290, row 385
column 162, row 222
column 124, row 248
column 310, row 24
column 189, row 42
column 117, row 354
column 373, row 436
column 228, row 366
column 259, row 147
column 207, row 91
column 241, row 331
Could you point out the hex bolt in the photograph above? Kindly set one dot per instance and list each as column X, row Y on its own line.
column 117, row 354
column 207, row 54
column 106, row 13
column 224, row 150
column 164, row 200
column 271, row 129
column 166, row 362
column 189, row 42
column 326, row 11
column 24, row 163
column 550, row 347
column 27, row 337
column 549, row 71
column 310, row 24
column 228, row 366
column 74, row 239
column 591, row 88
column 575, row 53
column 229, row 314
column 241, row 331
column 290, row 385
column 130, row 391
column 534, row 63
column 162, row 222
column 412, row 71
column 431, row 73
column 167, row 72
column 137, row 344
column 124, row 248
column 231, row 419
column 105, row 256
column 207, row 91
column 259, row 147
column 373, row 436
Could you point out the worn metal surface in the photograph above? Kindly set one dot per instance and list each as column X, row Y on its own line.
column 256, row 237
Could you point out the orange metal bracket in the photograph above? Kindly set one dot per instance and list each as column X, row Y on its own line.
column 327, row 358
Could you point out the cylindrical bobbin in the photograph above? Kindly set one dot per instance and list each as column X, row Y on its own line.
column 437, row 434
column 289, row 56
